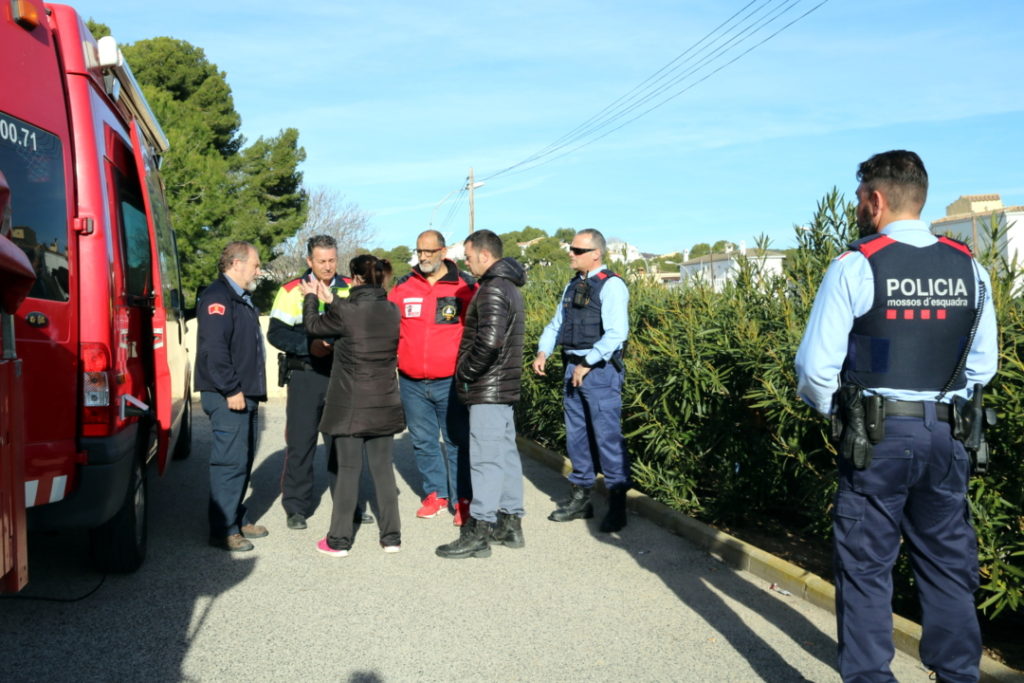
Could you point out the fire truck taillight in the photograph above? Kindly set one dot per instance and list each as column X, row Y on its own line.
column 96, row 413
column 24, row 14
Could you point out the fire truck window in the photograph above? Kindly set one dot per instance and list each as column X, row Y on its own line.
column 33, row 163
column 134, row 236
column 167, row 250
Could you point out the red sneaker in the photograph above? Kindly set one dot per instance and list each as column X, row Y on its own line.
column 432, row 505
column 461, row 511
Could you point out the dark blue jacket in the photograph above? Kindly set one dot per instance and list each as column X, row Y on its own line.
column 229, row 354
column 581, row 321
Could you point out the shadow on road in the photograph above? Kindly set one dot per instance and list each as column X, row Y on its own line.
column 706, row 593
column 134, row 626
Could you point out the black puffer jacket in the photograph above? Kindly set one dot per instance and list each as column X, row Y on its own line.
column 362, row 396
column 491, row 352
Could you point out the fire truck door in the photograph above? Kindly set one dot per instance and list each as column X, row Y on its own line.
column 16, row 278
column 162, row 392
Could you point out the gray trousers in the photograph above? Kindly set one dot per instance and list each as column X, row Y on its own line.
column 495, row 468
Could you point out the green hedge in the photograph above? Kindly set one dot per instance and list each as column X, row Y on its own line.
column 710, row 410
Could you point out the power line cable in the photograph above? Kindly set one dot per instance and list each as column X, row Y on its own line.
column 459, row 198
column 445, row 199
column 718, row 51
column 653, row 79
column 542, row 162
column 549, row 153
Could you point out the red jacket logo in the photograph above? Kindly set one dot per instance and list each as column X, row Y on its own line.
column 215, row 309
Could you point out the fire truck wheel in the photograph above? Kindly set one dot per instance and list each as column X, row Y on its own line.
column 183, row 448
column 120, row 544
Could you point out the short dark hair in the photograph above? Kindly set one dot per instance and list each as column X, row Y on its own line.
column 485, row 240
column 900, row 176
column 437, row 235
column 233, row 251
column 320, row 242
column 373, row 270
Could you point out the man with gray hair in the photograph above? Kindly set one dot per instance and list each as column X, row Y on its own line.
column 231, row 381
column 591, row 324
column 433, row 299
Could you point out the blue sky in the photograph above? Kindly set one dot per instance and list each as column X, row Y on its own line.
column 395, row 100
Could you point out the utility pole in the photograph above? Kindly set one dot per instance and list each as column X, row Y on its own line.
column 471, row 206
column 470, row 185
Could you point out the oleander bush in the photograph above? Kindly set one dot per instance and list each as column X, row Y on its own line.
column 710, row 410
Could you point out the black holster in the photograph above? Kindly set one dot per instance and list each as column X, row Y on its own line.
column 283, row 371
column 970, row 418
column 857, row 424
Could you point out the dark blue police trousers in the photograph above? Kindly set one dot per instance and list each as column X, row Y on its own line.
column 593, row 426
column 915, row 489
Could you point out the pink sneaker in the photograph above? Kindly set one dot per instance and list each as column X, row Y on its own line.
column 461, row 511
column 432, row 505
column 322, row 546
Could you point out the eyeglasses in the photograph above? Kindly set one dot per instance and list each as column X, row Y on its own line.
column 580, row 251
column 428, row 252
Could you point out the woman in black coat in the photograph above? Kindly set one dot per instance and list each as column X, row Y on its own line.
column 363, row 407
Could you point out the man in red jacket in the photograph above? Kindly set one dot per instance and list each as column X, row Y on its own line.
column 432, row 300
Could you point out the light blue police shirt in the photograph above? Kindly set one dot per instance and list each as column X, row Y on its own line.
column 847, row 291
column 614, row 317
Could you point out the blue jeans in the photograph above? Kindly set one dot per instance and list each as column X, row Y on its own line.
column 231, row 458
column 431, row 408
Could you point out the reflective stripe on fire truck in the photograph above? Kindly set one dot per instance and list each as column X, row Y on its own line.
column 35, row 493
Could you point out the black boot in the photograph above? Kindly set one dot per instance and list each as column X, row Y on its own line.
column 509, row 531
column 616, row 517
column 474, row 541
column 577, row 507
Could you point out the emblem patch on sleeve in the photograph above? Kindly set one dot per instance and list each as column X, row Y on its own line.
column 216, row 309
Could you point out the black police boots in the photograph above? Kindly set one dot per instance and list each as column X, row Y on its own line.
column 474, row 541
column 616, row 517
column 577, row 507
column 509, row 531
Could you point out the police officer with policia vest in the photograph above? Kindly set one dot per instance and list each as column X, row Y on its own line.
column 305, row 366
column 591, row 325
column 900, row 340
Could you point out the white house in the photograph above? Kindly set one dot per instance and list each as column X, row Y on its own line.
column 622, row 251
column 718, row 269
column 968, row 219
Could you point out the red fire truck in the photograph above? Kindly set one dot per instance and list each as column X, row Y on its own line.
column 101, row 333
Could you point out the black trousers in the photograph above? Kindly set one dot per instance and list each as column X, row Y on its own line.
column 349, row 451
column 306, row 392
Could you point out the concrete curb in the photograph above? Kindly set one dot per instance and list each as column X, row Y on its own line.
column 741, row 555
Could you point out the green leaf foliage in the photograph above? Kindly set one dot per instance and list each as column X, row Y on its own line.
column 710, row 411
column 218, row 189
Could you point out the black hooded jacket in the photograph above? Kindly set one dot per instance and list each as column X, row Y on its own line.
column 490, row 363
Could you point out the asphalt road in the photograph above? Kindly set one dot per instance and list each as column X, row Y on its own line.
column 573, row 605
